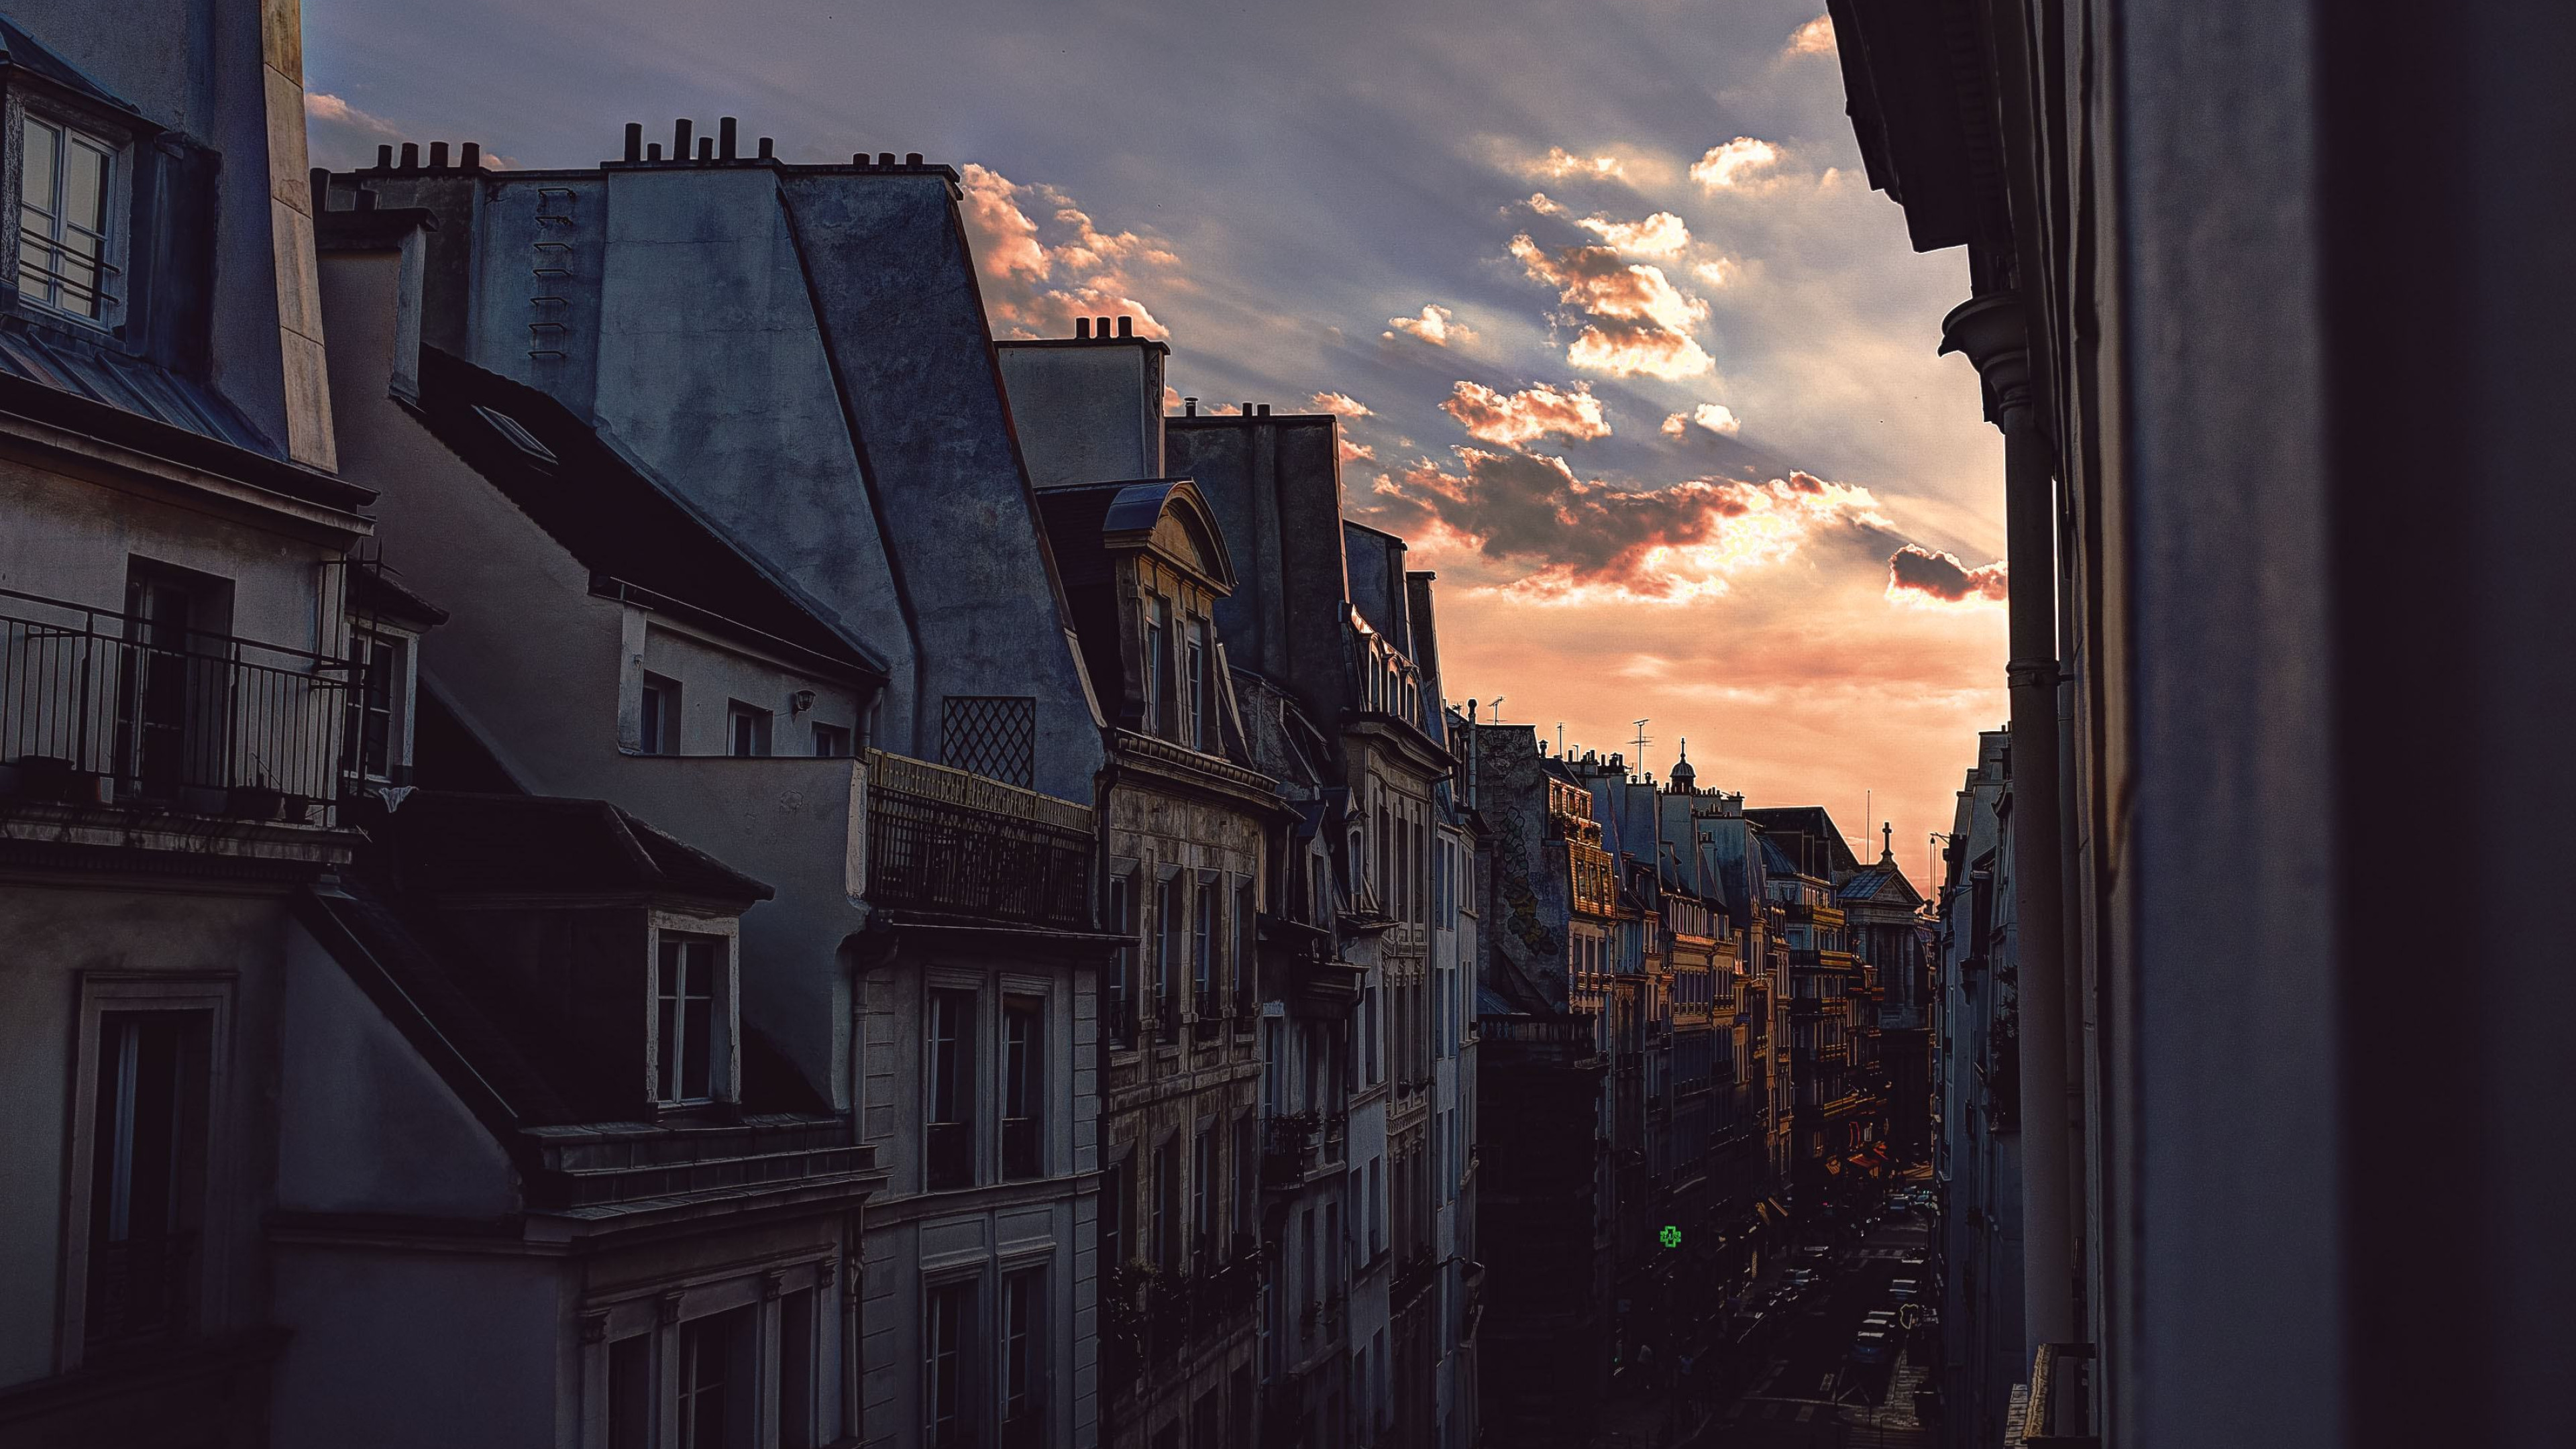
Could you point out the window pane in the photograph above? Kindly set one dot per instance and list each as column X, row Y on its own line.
column 36, row 175
column 85, row 185
column 796, row 1370
column 629, row 1390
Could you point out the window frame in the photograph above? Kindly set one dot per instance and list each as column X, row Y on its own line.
column 657, row 713
column 841, row 736
column 724, row 1064
column 1123, row 988
column 396, row 705
column 967, row 1354
column 1028, row 1060
column 738, row 715
column 968, row 1081
column 102, row 992
column 118, row 142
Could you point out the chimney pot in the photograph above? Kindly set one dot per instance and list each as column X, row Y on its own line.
column 680, row 130
column 319, row 178
column 1126, row 326
column 885, row 158
column 653, row 152
column 1082, row 328
column 911, row 158
column 1100, row 329
column 634, row 141
column 384, row 158
column 411, row 156
column 471, row 157
column 438, row 155
column 725, row 128
column 1189, row 407
column 767, row 153
column 1265, row 410
column 706, row 148
column 1247, row 410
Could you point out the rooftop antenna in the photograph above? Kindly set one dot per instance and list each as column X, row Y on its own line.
column 1641, row 744
column 1497, row 708
column 1560, row 739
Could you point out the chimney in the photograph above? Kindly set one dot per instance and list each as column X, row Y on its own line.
column 885, row 158
column 767, row 153
column 411, row 156
column 1265, row 410
column 1082, row 329
column 653, row 152
column 471, row 158
column 1247, row 410
column 706, row 148
column 1100, row 329
column 1126, row 326
column 1189, row 407
column 634, row 141
column 384, row 158
column 725, row 147
column 912, row 158
column 438, row 155
column 680, row 139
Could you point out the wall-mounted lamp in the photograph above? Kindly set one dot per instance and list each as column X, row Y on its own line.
column 803, row 701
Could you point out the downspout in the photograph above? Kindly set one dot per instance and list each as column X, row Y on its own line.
column 1990, row 330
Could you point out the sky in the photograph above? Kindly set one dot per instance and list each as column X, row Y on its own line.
column 1623, row 343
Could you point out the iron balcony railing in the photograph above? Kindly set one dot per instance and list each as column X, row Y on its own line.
column 950, row 843
column 138, row 1287
column 99, row 707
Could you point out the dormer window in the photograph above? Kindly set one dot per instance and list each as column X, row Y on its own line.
column 67, row 184
column 692, row 1047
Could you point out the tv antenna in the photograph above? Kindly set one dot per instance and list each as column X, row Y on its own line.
column 1641, row 745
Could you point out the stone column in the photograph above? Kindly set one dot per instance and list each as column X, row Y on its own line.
column 1991, row 332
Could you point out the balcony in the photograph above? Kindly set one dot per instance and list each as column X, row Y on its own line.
column 100, row 708
column 946, row 843
column 1548, row 1041
column 1298, row 1146
column 2054, row 1410
column 138, row 1288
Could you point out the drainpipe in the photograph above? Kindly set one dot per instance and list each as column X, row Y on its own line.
column 1990, row 330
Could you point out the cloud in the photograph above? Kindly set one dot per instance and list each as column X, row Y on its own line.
column 1578, row 540
column 1338, row 404
column 1437, row 325
column 1719, row 271
column 1922, row 573
column 324, row 109
column 1357, row 452
column 1559, row 163
column 1634, row 320
column 1816, row 37
column 1038, row 276
column 1661, row 234
column 1511, row 419
column 1722, row 167
column 1715, row 417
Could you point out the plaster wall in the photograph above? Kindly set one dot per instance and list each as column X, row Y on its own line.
column 1086, row 412
column 714, row 676
column 59, row 937
column 364, row 1125
column 412, row 1350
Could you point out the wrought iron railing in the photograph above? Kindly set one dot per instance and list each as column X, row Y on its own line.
column 138, row 1288
column 1288, row 1149
column 954, row 844
column 105, row 708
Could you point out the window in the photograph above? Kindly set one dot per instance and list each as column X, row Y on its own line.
column 831, row 742
column 630, row 1393
column 1114, row 1209
column 1167, row 1202
column 1198, row 727
column 746, row 729
column 991, row 735
column 1122, row 964
column 1247, row 1183
column 660, row 728
column 1368, row 1030
column 147, row 1152
column 693, row 1040
column 174, row 706
column 796, row 1370
column 1319, row 893
column 1203, row 1194
column 1024, row 1366
column 1203, row 953
column 1158, row 634
column 1167, row 909
column 1247, row 990
column 718, row 1395
column 951, row 1118
column 64, row 201
column 948, row 1365
column 1376, row 1209
column 367, row 717
column 1023, row 1086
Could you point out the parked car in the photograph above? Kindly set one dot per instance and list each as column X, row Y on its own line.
column 1881, row 1319
column 1872, row 1345
column 1902, row 1290
column 1911, row 1258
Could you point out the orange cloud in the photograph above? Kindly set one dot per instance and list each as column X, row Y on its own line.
column 1816, row 37
column 1575, row 540
column 1039, row 276
column 1437, row 325
column 1356, row 452
column 1714, row 417
column 1732, row 164
column 1338, row 404
column 1915, row 572
column 1635, row 320
column 1559, row 163
column 1511, row 419
column 1661, row 234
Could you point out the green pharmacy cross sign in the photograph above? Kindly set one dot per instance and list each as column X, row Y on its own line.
column 1672, row 1236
